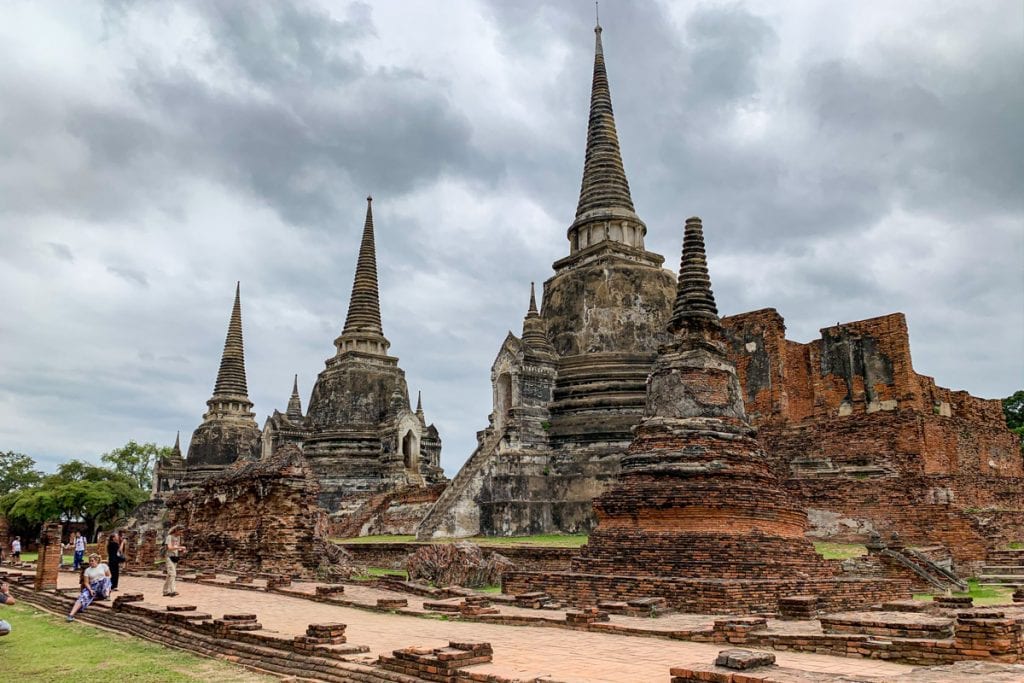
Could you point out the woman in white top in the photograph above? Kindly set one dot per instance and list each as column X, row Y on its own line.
column 95, row 583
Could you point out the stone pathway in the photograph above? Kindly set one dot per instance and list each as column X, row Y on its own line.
column 521, row 652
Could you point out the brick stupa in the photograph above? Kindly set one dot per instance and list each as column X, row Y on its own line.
column 698, row 516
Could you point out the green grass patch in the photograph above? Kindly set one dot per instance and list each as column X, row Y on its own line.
column 489, row 589
column 34, row 557
column 43, row 647
column 384, row 538
column 1015, row 545
column 984, row 595
column 378, row 572
column 839, row 551
column 542, row 540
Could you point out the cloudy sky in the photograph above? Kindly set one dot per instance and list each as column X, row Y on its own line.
column 848, row 160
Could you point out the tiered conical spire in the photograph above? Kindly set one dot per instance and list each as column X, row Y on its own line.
column 230, row 392
column 294, row 411
column 695, row 301
column 604, row 179
column 176, row 451
column 534, row 335
column 364, row 306
column 419, row 407
column 363, row 330
column 231, row 376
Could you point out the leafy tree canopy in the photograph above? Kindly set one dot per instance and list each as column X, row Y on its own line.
column 137, row 460
column 78, row 490
column 1013, row 410
column 17, row 471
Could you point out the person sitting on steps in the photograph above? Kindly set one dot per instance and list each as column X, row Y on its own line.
column 95, row 584
column 5, row 599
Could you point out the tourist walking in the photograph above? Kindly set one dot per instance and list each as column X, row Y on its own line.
column 79, row 541
column 173, row 550
column 16, row 549
column 115, row 556
column 95, row 584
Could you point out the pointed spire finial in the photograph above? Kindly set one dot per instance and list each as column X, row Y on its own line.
column 597, row 16
column 294, row 410
column 419, row 406
column 363, row 330
column 695, row 302
column 604, row 190
column 177, row 445
column 533, row 302
column 231, row 376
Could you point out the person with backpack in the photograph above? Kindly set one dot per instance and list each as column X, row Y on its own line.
column 79, row 541
column 172, row 552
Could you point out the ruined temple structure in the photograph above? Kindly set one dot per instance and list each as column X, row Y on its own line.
column 868, row 445
column 568, row 392
column 259, row 516
column 699, row 517
column 228, row 432
column 859, row 439
column 360, row 434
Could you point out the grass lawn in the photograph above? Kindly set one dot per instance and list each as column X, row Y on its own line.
column 839, row 551
column 43, row 647
column 1015, row 545
column 546, row 540
column 377, row 572
column 984, row 596
column 32, row 557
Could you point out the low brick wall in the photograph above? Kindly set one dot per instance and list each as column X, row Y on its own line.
column 393, row 555
column 705, row 596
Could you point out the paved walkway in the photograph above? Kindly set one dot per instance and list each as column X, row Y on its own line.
column 520, row 652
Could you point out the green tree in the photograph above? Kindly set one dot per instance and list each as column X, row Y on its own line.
column 77, row 491
column 17, row 471
column 1013, row 410
column 137, row 460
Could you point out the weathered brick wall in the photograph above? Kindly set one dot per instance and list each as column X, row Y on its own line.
column 855, row 431
column 723, row 596
column 48, row 562
column 257, row 517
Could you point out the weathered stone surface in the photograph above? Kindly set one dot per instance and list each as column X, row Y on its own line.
column 697, row 498
column 360, row 434
column 259, row 516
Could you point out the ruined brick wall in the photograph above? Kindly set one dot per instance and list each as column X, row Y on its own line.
column 257, row 517
column 705, row 596
column 856, row 432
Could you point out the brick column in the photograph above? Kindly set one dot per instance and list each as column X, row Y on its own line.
column 5, row 536
column 48, row 564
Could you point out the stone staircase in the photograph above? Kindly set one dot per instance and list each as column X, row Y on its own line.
column 441, row 519
column 1003, row 568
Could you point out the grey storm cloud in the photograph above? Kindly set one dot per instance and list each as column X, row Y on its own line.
column 847, row 161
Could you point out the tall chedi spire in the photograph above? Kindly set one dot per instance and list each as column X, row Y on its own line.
column 230, row 392
column 605, row 210
column 294, row 411
column 363, row 331
column 696, row 484
column 228, row 431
